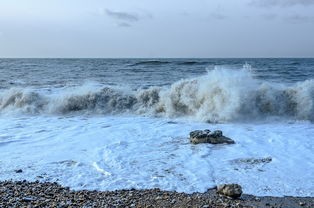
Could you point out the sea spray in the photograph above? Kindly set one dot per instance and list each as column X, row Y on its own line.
column 216, row 97
column 221, row 95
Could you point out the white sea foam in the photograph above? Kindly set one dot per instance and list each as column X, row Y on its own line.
column 114, row 152
column 220, row 96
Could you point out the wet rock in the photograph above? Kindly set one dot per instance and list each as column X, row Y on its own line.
column 230, row 190
column 251, row 163
column 206, row 136
column 18, row 171
column 254, row 161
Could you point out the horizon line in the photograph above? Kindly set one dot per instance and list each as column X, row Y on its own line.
column 157, row 57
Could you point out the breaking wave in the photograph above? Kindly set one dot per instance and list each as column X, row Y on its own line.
column 219, row 96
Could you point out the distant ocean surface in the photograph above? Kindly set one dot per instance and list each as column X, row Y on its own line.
column 109, row 124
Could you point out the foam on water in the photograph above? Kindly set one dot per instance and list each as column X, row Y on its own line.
column 108, row 153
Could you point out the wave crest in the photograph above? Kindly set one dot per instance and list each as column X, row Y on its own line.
column 25, row 100
column 106, row 100
column 219, row 96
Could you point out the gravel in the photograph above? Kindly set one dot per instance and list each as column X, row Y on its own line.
column 37, row 194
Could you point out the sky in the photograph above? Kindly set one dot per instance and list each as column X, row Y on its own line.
column 156, row 29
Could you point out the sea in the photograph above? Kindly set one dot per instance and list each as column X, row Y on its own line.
column 110, row 124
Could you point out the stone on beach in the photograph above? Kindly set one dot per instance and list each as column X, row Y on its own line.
column 18, row 171
column 46, row 194
column 206, row 136
column 230, row 190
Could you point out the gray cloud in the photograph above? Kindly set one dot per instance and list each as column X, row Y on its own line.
column 269, row 16
column 281, row 3
column 297, row 19
column 217, row 16
column 123, row 16
column 124, row 24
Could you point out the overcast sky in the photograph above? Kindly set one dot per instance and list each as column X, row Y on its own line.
column 160, row 28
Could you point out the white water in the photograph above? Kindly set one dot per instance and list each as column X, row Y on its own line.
column 108, row 153
column 219, row 96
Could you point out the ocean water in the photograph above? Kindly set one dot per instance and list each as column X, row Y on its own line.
column 107, row 124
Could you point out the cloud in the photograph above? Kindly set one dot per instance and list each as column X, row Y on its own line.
column 281, row 3
column 124, row 24
column 269, row 16
column 293, row 19
column 297, row 19
column 217, row 16
column 123, row 16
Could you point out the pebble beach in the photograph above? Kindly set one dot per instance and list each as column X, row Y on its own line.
column 36, row 194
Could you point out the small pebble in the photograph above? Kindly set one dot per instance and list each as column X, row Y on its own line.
column 28, row 199
column 19, row 171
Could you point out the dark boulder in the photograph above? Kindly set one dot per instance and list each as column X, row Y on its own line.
column 206, row 136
